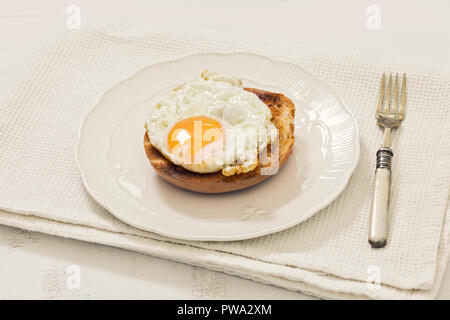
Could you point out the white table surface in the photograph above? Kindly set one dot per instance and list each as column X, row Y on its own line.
column 34, row 266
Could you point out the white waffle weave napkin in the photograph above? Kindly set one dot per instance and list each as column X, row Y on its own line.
column 327, row 256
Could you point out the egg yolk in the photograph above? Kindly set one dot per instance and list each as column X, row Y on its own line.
column 190, row 135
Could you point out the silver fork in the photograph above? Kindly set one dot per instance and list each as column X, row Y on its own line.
column 389, row 115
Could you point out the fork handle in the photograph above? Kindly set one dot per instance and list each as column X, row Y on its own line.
column 380, row 201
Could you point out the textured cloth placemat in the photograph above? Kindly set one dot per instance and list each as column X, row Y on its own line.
column 327, row 256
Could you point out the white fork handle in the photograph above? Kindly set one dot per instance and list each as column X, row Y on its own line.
column 380, row 201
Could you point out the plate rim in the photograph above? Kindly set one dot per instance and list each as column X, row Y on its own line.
column 266, row 231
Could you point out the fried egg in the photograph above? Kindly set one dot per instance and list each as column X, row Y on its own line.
column 211, row 124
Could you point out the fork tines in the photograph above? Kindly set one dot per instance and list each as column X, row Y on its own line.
column 386, row 106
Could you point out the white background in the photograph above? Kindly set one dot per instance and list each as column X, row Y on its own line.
column 34, row 265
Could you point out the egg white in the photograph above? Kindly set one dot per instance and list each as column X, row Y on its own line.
column 245, row 119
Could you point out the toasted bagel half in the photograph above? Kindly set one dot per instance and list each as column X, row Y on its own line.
column 283, row 112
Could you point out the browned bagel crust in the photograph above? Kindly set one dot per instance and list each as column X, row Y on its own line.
column 283, row 111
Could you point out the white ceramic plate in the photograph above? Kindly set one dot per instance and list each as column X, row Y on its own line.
column 117, row 174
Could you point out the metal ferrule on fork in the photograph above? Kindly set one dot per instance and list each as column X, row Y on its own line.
column 384, row 158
